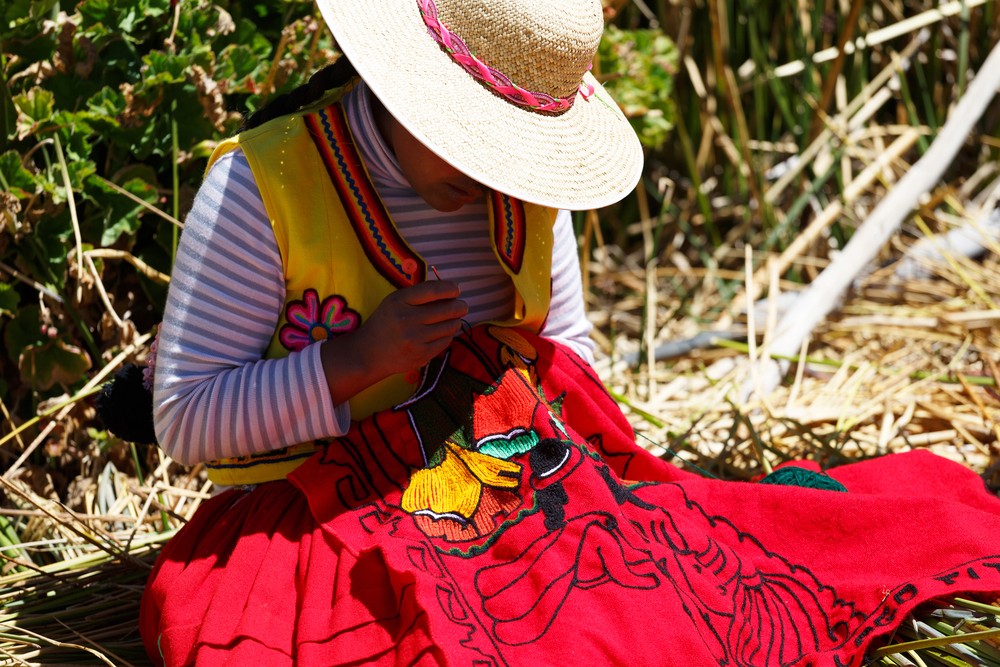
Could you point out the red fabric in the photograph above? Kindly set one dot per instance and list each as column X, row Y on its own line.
column 546, row 554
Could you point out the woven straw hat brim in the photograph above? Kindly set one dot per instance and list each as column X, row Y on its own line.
column 585, row 157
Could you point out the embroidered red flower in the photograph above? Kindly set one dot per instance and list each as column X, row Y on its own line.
column 310, row 321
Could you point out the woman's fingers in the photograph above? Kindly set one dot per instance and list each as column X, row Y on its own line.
column 441, row 330
column 430, row 290
column 440, row 311
column 417, row 323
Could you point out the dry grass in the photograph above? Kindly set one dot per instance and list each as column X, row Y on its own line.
column 903, row 364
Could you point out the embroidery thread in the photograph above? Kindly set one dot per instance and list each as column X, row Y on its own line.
column 310, row 321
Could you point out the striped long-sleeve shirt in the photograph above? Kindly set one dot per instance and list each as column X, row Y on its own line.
column 215, row 397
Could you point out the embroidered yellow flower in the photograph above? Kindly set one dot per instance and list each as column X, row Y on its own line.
column 453, row 489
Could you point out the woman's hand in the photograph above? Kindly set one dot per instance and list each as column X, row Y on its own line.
column 409, row 328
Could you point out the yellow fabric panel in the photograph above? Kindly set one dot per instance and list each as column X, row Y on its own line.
column 533, row 284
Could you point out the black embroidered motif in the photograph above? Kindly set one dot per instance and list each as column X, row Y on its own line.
column 905, row 594
column 948, row 578
column 552, row 500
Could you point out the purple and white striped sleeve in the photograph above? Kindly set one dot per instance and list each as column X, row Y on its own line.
column 214, row 397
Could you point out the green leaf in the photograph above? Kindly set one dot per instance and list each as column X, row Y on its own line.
column 36, row 104
column 78, row 172
column 198, row 24
column 237, row 63
column 16, row 9
column 143, row 139
column 107, row 102
column 56, row 361
column 52, row 233
column 141, row 171
column 9, row 298
column 8, row 114
column 43, row 359
column 156, row 8
column 128, row 19
column 98, row 11
column 204, row 149
column 22, row 183
column 121, row 214
column 34, row 107
column 23, row 331
column 645, row 62
column 203, row 56
column 248, row 33
column 156, row 64
column 27, row 10
column 159, row 259
column 101, row 37
column 104, row 108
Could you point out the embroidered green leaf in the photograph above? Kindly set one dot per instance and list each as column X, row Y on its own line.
column 502, row 448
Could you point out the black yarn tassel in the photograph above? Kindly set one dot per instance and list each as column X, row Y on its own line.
column 126, row 407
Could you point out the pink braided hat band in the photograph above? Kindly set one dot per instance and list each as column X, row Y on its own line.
column 497, row 80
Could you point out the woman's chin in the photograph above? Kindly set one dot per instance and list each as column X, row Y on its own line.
column 449, row 203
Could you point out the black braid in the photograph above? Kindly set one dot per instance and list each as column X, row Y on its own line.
column 328, row 78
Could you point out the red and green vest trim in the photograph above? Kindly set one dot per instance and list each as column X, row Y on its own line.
column 383, row 245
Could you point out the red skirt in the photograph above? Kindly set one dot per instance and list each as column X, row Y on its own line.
column 504, row 516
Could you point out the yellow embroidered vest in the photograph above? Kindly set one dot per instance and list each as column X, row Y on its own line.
column 342, row 255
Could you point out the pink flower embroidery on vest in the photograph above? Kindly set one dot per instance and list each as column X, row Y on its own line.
column 310, row 321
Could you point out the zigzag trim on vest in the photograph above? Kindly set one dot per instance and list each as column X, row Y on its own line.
column 379, row 237
column 509, row 229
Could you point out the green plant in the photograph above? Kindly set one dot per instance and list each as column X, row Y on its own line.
column 638, row 68
column 108, row 115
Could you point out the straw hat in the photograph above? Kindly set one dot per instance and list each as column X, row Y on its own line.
column 515, row 107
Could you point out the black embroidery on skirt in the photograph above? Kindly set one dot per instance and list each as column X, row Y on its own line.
column 553, row 499
column 905, row 594
column 948, row 578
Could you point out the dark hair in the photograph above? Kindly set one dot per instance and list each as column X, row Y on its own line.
column 328, row 78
